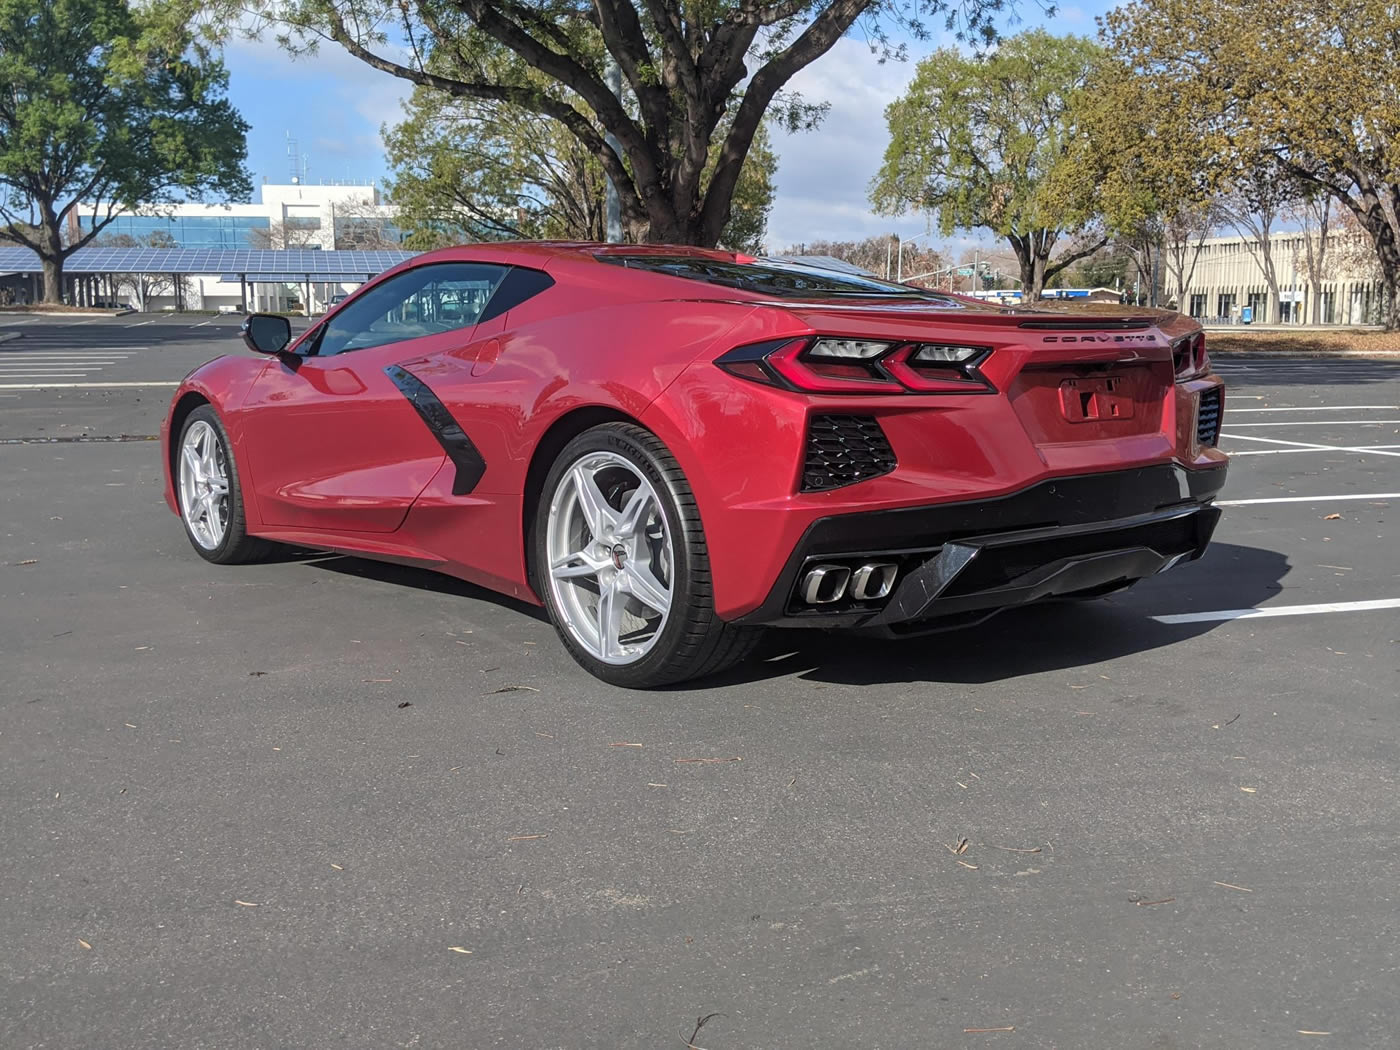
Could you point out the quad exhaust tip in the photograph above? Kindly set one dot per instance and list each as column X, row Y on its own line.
column 827, row 583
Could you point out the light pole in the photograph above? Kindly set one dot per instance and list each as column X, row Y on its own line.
column 899, row 270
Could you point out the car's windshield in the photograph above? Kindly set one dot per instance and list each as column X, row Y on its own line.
column 780, row 279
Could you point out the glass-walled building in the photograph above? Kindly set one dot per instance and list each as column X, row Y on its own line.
column 299, row 215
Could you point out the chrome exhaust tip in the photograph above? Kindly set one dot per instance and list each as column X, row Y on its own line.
column 873, row 580
column 824, row 584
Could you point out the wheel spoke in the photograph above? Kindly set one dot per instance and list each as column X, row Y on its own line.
column 643, row 585
column 193, row 462
column 572, row 566
column 596, row 511
column 610, row 607
column 634, row 513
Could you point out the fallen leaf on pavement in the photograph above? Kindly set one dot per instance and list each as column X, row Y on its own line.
column 460, row 951
column 1331, row 517
column 623, row 743
column 245, row 904
column 707, row 761
column 84, row 945
column 980, row 1031
column 514, row 689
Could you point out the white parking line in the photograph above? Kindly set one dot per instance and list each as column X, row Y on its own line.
column 1307, row 499
column 1322, row 408
column 1279, row 610
column 1321, row 423
column 1313, row 446
column 81, row 386
column 42, row 375
column 138, row 324
column 1305, row 451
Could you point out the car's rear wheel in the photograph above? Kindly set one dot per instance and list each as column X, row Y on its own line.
column 622, row 565
column 211, row 498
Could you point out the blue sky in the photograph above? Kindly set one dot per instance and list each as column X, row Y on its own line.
column 334, row 106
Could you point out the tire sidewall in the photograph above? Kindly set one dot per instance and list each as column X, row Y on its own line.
column 620, row 441
column 233, row 533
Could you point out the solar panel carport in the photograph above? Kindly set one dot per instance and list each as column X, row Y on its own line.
column 247, row 267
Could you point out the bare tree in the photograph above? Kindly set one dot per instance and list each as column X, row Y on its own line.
column 1314, row 218
column 283, row 234
column 1184, row 234
column 363, row 225
column 146, row 286
column 1257, row 201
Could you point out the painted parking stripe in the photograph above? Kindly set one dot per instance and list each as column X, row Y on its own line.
column 1307, row 499
column 1322, row 408
column 82, row 386
column 1220, row 615
column 1305, row 451
column 1313, row 446
column 44, row 375
column 1321, row 423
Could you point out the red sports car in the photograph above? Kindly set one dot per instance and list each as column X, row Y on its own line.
column 672, row 448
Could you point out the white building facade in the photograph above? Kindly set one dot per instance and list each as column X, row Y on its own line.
column 1228, row 285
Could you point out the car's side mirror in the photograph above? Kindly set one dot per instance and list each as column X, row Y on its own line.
column 266, row 333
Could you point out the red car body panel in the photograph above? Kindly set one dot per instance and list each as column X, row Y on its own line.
column 332, row 455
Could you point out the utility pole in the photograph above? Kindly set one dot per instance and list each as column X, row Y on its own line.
column 614, row 203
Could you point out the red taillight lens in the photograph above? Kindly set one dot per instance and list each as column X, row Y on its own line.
column 1189, row 357
column 830, row 374
column 861, row 366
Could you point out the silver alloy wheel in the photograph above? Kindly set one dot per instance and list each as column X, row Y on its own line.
column 204, row 485
column 610, row 556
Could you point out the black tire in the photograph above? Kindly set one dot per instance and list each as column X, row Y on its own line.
column 236, row 546
column 694, row 641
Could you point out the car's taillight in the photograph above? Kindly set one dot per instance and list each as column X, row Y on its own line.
column 1189, row 357
column 830, row 365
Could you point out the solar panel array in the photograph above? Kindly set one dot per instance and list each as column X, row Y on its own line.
column 290, row 265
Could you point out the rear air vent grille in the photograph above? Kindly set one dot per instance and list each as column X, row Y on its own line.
column 842, row 450
column 1208, row 417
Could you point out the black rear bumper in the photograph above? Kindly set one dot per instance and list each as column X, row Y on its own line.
column 959, row 562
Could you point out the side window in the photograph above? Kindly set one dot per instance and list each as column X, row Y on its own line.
column 427, row 300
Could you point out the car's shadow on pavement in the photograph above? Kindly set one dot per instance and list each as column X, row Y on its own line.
column 410, row 576
column 1031, row 640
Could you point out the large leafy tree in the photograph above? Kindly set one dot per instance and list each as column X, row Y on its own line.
column 105, row 105
column 698, row 77
column 464, row 169
column 982, row 140
column 1310, row 84
column 1155, row 190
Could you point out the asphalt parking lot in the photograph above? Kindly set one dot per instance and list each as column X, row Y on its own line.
column 323, row 802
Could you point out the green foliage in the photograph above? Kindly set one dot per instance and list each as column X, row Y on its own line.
column 1309, row 85
column 467, row 170
column 106, row 107
column 698, row 80
column 988, row 141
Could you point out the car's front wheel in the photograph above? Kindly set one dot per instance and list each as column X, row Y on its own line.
column 211, row 498
column 621, row 563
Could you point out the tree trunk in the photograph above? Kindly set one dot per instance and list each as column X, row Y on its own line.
column 53, row 279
